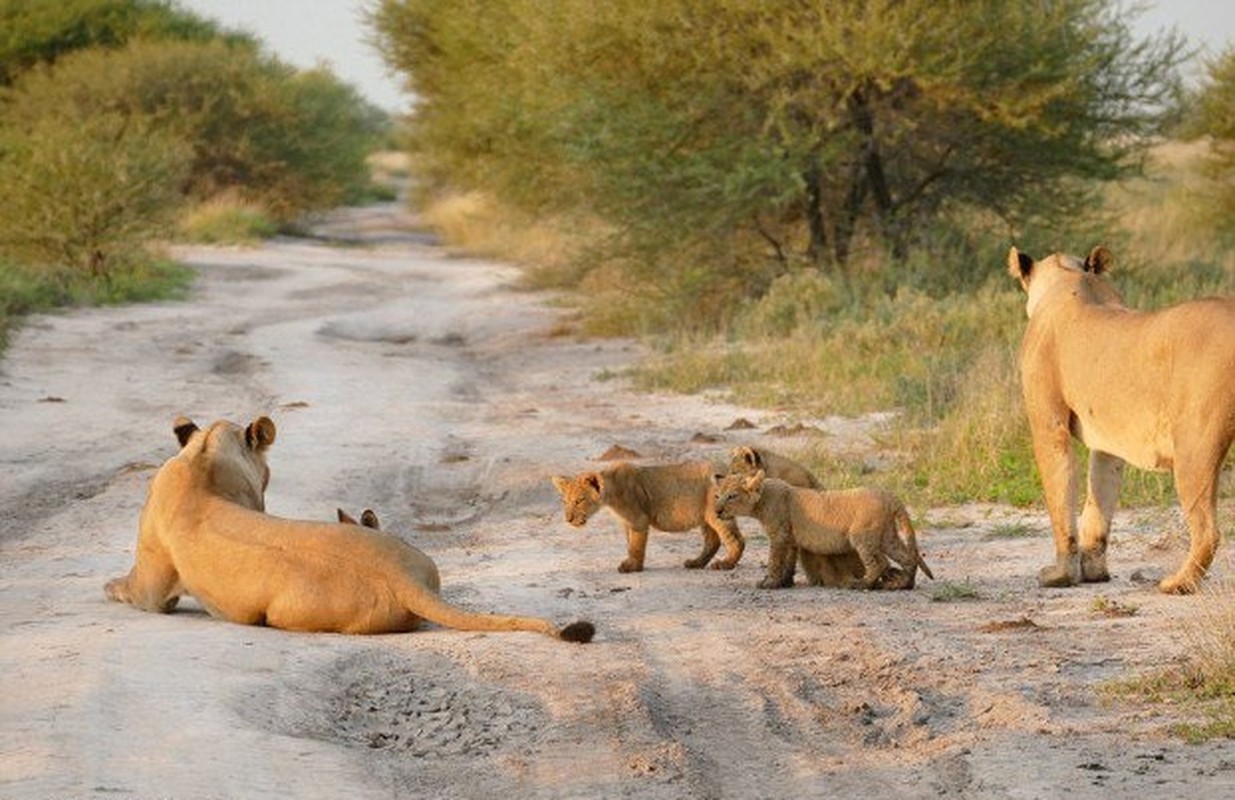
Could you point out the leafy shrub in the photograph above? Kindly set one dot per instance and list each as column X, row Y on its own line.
column 294, row 141
column 83, row 197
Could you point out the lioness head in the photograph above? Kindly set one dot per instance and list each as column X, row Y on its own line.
column 229, row 460
column 580, row 496
column 1038, row 277
column 737, row 494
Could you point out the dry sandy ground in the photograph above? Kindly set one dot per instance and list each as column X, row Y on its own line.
column 428, row 388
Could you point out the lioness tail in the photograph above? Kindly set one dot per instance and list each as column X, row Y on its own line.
column 424, row 603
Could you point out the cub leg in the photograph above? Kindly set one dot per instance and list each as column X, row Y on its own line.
column 874, row 562
column 1052, row 449
column 728, row 531
column 834, row 571
column 636, row 548
column 1105, row 473
column 1197, row 486
column 782, row 559
column 711, row 543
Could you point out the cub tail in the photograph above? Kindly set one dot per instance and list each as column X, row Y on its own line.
column 905, row 530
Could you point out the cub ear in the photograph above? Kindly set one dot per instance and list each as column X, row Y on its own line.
column 260, row 433
column 1099, row 261
column 755, row 480
column 184, row 428
column 368, row 518
column 345, row 517
column 594, row 480
column 561, row 483
column 748, row 456
column 1019, row 265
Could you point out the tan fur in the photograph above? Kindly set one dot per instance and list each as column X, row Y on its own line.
column 667, row 497
column 831, row 571
column 868, row 522
column 1155, row 389
column 747, row 460
column 203, row 532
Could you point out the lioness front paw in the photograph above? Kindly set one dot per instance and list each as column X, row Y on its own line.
column 775, row 583
column 1093, row 568
column 117, row 589
column 724, row 563
column 1056, row 576
column 1177, row 584
column 630, row 566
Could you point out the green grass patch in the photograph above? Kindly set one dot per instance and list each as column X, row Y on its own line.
column 227, row 219
column 1014, row 530
column 952, row 592
column 25, row 291
column 1203, row 685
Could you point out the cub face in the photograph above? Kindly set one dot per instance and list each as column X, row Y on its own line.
column 580, row 496
column 737, row 495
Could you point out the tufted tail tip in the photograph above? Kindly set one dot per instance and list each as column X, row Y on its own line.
column 581, row 632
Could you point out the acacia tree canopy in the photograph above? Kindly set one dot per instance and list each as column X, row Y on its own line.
column 810, row 127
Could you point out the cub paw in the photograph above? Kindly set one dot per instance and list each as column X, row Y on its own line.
column 1055, row 577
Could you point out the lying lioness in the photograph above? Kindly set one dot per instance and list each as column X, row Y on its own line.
column 1155, row 389
column 667, row 497
column 813, row 523
column 203, row 532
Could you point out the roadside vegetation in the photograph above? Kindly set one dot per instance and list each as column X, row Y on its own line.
column 808, row 208
column 125, row 124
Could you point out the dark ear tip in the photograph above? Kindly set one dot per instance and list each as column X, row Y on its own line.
column 184, row 428
column 260, row 433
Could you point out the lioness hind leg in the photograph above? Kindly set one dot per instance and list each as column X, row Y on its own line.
column 1198, row 495
column 1105, row 474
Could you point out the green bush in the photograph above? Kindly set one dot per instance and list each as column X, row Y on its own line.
column 293, row 141
column 84, row 197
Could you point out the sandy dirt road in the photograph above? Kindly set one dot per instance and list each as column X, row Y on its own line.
column 426, row 387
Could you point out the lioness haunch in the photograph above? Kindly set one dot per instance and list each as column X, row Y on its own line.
column 204, row 532
column 1155, row 389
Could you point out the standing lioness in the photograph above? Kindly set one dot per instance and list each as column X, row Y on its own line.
column 203, row 533
column 667, row 497
column 1153, row 388
column 814, row 524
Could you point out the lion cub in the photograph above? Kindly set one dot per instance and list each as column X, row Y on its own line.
column 667, row 497
column 747, row 460
column 832, row 571
column 816, row 524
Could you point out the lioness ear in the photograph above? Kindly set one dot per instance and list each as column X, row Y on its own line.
column 1019, row 265
column 749, row 456
column 594, row 480
column 184, row 428
column 260, row 433
column 345, row 517
column 1100, row 261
